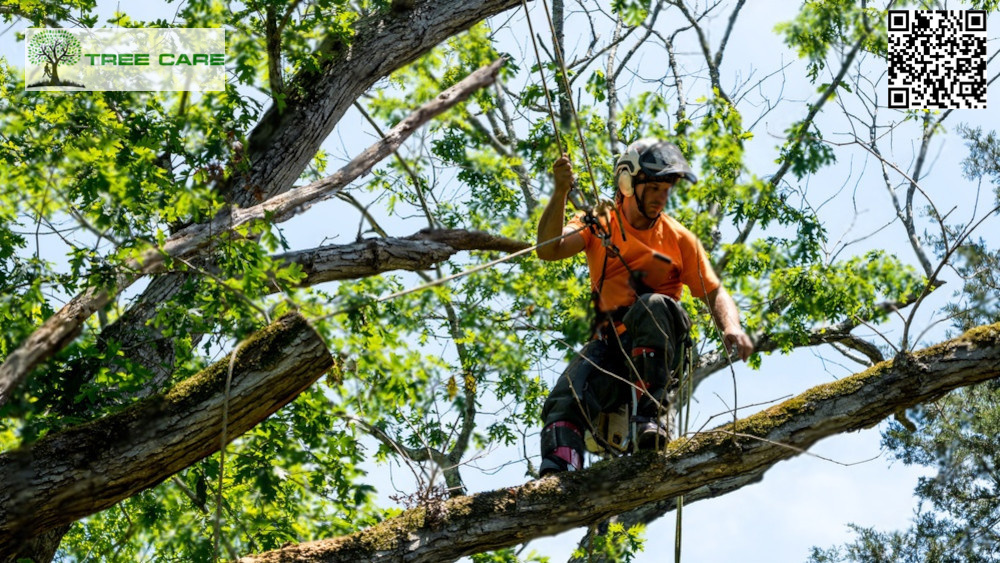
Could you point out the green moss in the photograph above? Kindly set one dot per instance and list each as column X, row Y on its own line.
column 983, row 334
column 384, row 536
column 461, row 506
column 259, row 352
column 977, row 336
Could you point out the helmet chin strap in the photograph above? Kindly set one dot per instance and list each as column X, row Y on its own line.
column 641, row 202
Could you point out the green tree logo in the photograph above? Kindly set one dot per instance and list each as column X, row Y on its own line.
column 52, row 48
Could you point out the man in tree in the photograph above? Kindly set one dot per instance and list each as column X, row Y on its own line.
column 637, row 269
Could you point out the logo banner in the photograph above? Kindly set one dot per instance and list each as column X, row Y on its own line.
column 181, row 59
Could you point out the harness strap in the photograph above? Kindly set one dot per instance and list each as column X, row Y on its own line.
column 645, row 350
column 599, row 230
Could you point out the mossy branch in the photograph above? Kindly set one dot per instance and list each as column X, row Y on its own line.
column 703, row 465
column 88, row 468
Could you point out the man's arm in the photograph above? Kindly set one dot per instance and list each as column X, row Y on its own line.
column 727, row 317
column 550, row 225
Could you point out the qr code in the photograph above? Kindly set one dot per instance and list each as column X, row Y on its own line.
column 937, row 59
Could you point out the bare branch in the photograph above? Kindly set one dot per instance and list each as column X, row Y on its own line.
column 375, row 256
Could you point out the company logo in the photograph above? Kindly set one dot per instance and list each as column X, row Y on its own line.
column 51, row 48
column 125, row 59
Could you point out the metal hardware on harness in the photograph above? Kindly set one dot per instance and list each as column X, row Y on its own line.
column 643, row 351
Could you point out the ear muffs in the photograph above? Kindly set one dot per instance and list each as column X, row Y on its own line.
column 625, row 169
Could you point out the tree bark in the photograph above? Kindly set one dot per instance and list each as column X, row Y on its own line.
column 39, row 549
column 706, row 461
column 88, row 468
column 142, row 342
column 375, row 256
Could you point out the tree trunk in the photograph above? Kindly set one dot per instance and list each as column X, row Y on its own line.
column 91, row 467
column 721, row 460
column 39, row 549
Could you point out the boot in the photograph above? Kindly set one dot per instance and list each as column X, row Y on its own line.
column 651, row 434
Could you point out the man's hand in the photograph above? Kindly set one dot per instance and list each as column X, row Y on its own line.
column 562, row 169
column 742, row 342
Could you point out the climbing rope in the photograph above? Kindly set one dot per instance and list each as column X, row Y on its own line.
column 560, row 62
column 684, row 418
column 569, row 100
column 446, row 279
column 541, row 74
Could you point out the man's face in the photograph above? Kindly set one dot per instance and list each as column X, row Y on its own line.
column 653, row 194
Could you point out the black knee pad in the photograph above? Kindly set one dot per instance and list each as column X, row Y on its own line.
column 562, row 448
column 654, row 378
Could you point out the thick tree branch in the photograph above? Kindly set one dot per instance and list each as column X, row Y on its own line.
column 375, row 256
column 285, row 141
column 61, row 328
column 750, row 446
column 88, row 468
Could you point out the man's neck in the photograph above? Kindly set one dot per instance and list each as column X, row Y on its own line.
column 630, row 209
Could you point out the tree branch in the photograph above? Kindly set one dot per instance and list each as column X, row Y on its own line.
column 507, row 517
column 712, row 62
column 62, row 327
column 90, row 467
column 285, row 141
column 375, row 256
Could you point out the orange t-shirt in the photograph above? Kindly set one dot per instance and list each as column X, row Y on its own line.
column 688, row 265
